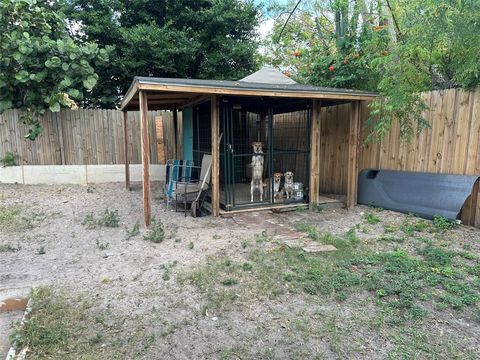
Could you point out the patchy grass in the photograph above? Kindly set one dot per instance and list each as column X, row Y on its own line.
column 392, row 238
column 389, row 228
column 12, row 219
column 412, row 225
column 63, row 326
column 371, row 218
column 328, row 238
column 309, row 229
column 402, row 289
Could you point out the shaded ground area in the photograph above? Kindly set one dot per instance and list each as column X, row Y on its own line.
column 205, row 288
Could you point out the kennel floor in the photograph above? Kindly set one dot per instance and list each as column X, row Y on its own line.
column 242, row 197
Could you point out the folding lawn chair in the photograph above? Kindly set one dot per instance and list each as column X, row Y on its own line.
column 175, row 171
column 193, row 192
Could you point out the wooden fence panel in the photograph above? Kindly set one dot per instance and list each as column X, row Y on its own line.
column 78, row 137
column 450, row 146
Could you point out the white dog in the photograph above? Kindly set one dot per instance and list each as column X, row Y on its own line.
column 257, row 170
column 288, row 187
column 277, row 190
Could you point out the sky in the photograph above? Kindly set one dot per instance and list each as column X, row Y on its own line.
column 265, row 27
column 266, row 24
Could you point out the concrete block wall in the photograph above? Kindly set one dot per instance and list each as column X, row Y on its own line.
column 75, row 174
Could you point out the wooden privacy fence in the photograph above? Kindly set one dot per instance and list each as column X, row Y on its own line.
column 450, row 146
column 83, row 137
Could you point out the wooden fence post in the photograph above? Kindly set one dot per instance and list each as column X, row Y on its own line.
column 352, row 166
column 215, row 121
column 127, row 165
column 315, row 134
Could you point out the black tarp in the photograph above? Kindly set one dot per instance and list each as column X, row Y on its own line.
column 423, row 194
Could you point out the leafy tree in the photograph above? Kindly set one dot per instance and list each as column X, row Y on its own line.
column 397, row 48
column 169, row 38
column 41, row 67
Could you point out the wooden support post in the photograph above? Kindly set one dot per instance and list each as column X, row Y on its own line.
column 352, row 166
column 468, row 213
column 175, row 131
column 125, row 135
column 145, row 146
column 474, row 204
column 315, row 133
column 60, row 137
column 215, row 123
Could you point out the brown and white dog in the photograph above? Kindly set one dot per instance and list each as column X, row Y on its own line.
column 277, row 182
column 288, row 187
column 257, row 170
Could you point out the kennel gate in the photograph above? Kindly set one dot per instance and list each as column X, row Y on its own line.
column 286, row 139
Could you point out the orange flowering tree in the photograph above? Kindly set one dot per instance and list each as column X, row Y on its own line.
column 394, row 47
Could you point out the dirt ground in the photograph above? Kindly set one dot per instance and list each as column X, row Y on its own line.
column 137, row 284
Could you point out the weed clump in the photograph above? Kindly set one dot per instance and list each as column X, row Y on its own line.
column 89, row 221
column 110, row 218
column 8, row 248
column 372, row 219
column 102, row 245
column 310, row 229
column 317, row 208
column 156, row 232
column 134, row 231
column 8, row 159
column 443, row 224
column 411, row 226
column 230, row 282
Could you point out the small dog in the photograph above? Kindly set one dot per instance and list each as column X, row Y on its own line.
column 257, row 170
column 277, row 190
column 288, row 187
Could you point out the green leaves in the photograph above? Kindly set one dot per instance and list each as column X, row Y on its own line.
column 40, row 64
column 74, row 93
column 398, row 51
column 89, row 82
column 55, row 107
column 22, row 76
column 5, row 105
column 172, row 38
column 53, row 62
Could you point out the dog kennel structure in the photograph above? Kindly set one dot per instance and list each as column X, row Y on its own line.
column 223, row 118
